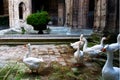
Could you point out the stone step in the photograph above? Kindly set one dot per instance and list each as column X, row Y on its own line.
column 38, row 39
column 56, row 35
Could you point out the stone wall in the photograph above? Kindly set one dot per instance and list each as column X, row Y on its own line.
column 14, row 12
column 82, row 13
column 100, row 15
column 72, row 13
column 106, row 16
column 68, row 6
column 76, row 13
column 112, row 19
column 61, row 11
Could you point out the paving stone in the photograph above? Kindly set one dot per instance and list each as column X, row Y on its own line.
column 60, row 59
column 49, row 53
column 57, row 53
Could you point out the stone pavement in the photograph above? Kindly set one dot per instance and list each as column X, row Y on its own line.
column 61, row 53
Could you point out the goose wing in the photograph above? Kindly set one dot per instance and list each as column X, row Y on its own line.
column 97, row 47
column 32, row 60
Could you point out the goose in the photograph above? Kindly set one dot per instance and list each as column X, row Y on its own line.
column 108, row 71
column 118, row 38
column 32, row 63
column 88, row 50
column 75, row 44
column 99, row 46
column 78, row 55
column 114, row 47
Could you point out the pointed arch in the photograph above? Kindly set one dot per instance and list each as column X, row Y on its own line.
column 21, row 10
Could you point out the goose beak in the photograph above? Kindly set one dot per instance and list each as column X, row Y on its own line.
column 103, row 50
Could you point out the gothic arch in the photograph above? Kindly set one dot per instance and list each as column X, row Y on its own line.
column 22, row 9
column 90, row 15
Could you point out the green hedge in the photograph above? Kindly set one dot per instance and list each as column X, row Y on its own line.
column 4, row 20
column 38, row 19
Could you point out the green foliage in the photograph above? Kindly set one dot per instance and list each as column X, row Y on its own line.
column 4, row 20
column 23, row 30
column 38, row 19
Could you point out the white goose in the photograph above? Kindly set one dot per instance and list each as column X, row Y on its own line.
column 75, row 44
column 78, row 55
column 115, row 46
column 88, row 50
column 99, row 46
column 31, row 62
column 118, row 38
column 109, row 72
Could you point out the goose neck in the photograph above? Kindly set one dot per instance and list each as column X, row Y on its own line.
column 101, row 42
column 85, row 44
column 28, row 53
column 109, row 62
column 118, row 38
column 78, row 47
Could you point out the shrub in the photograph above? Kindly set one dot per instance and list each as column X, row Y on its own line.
column 38, row 20
column 4, row 20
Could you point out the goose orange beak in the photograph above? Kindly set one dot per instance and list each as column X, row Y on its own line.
column 103, row 50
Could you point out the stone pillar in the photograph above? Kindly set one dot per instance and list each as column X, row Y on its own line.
column 16, row 13
column 75, row 13
column 60, row 13
column 100, row 15
column 11, row 13
column 82, row 13
column 112, row 14
column 71, row 12
column 67, row 12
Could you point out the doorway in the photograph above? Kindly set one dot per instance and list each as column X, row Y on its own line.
column 51, row 6
column 90, row 21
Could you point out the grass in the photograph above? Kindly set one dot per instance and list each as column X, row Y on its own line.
column 18, row 71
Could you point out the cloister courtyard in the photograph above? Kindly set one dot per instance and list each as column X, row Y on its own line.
column 58, row 59
column 59, row 40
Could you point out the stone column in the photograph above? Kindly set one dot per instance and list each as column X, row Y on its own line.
column 82, row 13
column 68, row 20
column 111, row 19
column 16, row 13
column 100, row 15
column 75, row 13
column 60, row 13
column 71, row 12
column 67, row 12
column 11, row 13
